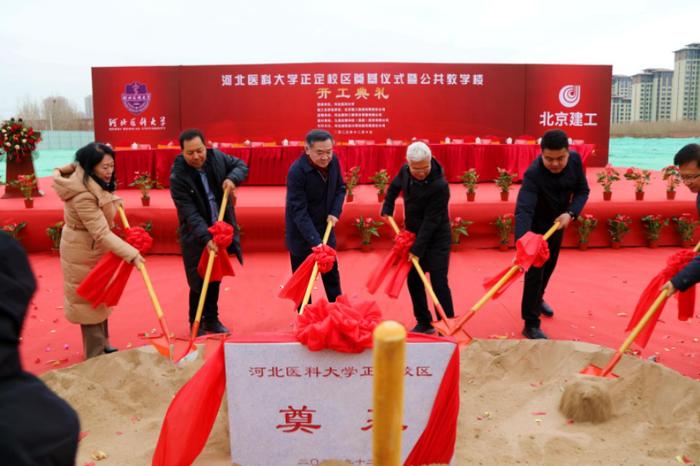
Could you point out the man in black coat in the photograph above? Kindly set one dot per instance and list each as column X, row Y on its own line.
column 197, row 182
column 554, row 189
column 36, row 426
column 688, row 160
column 315, row 195
column 426, row 195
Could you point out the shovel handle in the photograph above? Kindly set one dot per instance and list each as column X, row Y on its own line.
column 207, row 273
column 421, row 274
column 551, row 231
column 644, row 320
column 314, row 271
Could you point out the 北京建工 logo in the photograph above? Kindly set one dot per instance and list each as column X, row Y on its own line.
column 570, row 95
column 136, row 97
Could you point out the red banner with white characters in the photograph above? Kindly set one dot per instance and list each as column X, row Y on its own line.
column 355, row 101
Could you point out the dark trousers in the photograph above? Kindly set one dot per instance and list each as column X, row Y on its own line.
column 331, row 279
column 438, row 280
column 536, row 280
column 210, row 312
column 95, row 338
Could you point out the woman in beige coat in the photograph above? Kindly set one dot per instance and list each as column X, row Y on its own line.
column 87, row 187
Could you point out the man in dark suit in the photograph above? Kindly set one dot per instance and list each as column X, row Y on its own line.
column 36, row 426
column 426, row 196
column 197, row 182
column 554, row 189
column 315, row 195
column 688, row 160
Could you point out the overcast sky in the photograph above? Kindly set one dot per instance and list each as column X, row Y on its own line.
column 49, row 46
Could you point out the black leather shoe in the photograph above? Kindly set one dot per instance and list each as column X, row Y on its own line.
column 215, row 326
column 423, row 328
column 110, row 349
column 546, row 310
column 534, row 333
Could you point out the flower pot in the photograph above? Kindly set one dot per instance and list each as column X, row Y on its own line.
column 670, row 195
column 381, row 196
column 639, row 195
column 145, row 201
column 653, row 243
column 365, row 247
column 29, row 203
column 503, row 247
column 504, row 195
column 14, row 169
column 607, row 195
column 471, row 197
column 583, row 246
column 615, row 244
column 349, row 198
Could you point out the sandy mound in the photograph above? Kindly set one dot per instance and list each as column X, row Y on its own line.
column 509, row 396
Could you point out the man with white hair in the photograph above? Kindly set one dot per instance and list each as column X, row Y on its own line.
column 426, row 195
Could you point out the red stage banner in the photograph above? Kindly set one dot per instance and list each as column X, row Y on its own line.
column 362, row 102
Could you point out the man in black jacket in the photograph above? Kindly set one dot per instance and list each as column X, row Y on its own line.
column 197, row 182
column 426, row 195
column 554, row 189
column 688, row 160
column 36, row 426
column 315, row 195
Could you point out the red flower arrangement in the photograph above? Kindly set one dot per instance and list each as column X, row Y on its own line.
column 13, row 229
column 18, row 141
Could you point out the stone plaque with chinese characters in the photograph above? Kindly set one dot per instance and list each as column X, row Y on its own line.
column 289, row 406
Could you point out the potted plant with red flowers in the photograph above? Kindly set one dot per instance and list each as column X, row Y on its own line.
column 641, row 178
column 606, row 178
column 13, row 229
column 586, row 224
column 367, row 227
column 380, row 181
column 352, row 179
column 685, row 226
column 145, row 183
column 18, row 142
column 505, row 224
column 26, row 185
column 470, row 179
column 653, row 223
column 54, row 232
column 618, row 227
column 459, row 227
column 672, row 176
column 504, row 182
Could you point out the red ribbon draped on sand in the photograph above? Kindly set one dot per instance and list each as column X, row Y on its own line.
column 686, row 299
column 397, row 256
column 105, row 283
column 341, row 326
column 295, row 288
column 191, row 415
column 531, row 250
column 222, row 234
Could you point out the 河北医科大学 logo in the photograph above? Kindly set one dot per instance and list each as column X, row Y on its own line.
column 136, row 97
column 570, row 95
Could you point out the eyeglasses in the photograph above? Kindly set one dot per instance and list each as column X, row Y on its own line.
column 690, row 177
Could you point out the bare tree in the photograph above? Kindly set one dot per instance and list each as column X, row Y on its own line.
column 60, row 113
column 29, row 110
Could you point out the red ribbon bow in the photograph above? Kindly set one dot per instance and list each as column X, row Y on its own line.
column 222, row 235
column 107, row 280
column 295, row 288
column 398, row 256
column 686, row 299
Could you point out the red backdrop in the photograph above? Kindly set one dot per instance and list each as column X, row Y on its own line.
column 362, row 101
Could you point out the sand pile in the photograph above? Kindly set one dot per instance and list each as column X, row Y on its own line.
column 510, row 391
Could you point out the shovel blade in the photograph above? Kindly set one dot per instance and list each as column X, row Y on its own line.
column 596, row 371
column 448, row 328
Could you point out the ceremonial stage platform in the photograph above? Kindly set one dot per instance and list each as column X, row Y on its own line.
column 260, row 213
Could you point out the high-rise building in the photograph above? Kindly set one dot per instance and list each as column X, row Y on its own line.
column 621, row 86
column 88, row 106
column 651, row 95
column 685, row 102
column 621, row 110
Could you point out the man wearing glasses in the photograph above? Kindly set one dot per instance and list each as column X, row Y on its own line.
column 554, row 189
column 688, row 160
column 426, row 195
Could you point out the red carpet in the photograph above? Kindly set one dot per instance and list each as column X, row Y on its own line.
column 593, row 293
column 260, row 212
